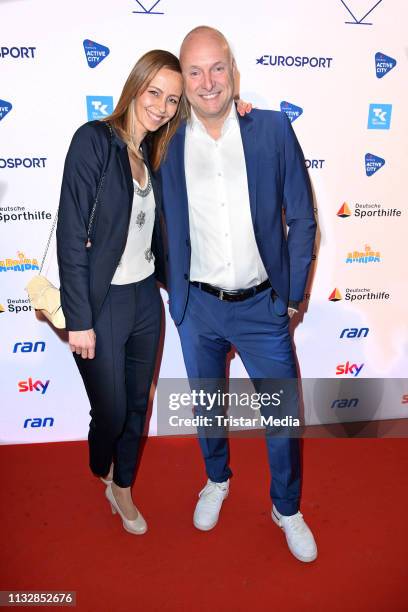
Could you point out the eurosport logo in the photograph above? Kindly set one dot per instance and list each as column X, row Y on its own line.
column 367, row 210
column 345, row 403
column 147, row 10
column 39, row 422
column 292, row 111
column 21, row 264
column 27, row 386
column 314, row 164
column 99, row 107
column 352, row 369
column 365, row 257
column 373, row 163
column 296, row 61
column 5, row 108
column 10, row 214
column 379, row 116
column 353, row 5
column 29, row 347
column 95, row 53
column 359, row 294
column 354, row 332
column 17, row 52
column 383, row 64
column 22, row 162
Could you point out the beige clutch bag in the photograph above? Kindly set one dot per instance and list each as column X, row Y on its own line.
column 46, row 298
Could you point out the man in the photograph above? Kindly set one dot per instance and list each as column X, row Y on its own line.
column 234, row 278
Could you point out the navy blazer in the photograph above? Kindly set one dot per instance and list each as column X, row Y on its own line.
column 86, row 274
column 277, row 180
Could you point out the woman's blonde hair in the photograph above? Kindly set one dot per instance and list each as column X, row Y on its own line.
column 123, row 117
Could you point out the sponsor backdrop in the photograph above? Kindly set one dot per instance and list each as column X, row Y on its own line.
column 337, row 68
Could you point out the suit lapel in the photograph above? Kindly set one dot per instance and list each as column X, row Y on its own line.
column 127, row 172
column 248, row 135
column 178, row 146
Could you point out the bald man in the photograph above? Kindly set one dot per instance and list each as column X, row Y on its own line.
column 235, row 279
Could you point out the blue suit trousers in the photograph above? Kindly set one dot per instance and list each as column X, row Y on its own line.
column 261, row 337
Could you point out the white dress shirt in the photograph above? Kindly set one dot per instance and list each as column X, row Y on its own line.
column 223, row 247
column 137, row 262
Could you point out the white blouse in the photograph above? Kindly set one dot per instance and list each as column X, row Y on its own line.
column 137, row 262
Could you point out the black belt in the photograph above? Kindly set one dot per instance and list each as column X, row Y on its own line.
column 235, row 295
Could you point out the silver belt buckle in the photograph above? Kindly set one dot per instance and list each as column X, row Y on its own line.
column 221, row 294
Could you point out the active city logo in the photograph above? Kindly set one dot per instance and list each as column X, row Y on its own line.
column 19, row 213
column 25, row 386
column 5, row 108
column 368, row 256
column 22, row 264
column 95, row 53
column 149, row 11
column 368, row 209
column 350, row 6
column 314, row 164
column 24, row 162
column 38, row 422
column 373, row 163
column 298, row 61
column 29, row 347
column 292, row 111
column 17, row 52
column 354, row 332
column 349, row 368
column 379, row 116
column 345, row 403
column 99, row 107
column 383, row 64
column 16, row 306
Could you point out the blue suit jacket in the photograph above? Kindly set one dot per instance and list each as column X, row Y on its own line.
column 86, row 274
column 277, row 180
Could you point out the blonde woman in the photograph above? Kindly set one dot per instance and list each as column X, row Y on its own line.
column 110, row 256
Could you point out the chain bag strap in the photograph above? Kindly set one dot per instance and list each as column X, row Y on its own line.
column 88, row 243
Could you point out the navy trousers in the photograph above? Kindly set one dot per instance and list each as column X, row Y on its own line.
column 261, row 337
column 119, row 378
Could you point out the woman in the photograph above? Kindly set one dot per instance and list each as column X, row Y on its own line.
column 108, row 276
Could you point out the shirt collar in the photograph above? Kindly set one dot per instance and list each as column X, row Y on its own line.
column 230, row 121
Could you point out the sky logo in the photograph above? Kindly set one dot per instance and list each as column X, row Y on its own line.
column 350, row 5
column 29, row 385
column 292, row 111
column 5, row 108
column 383, row 64
column 373, row 163
column 95, row 53
column 149, row 11
column 99, row 107
column 349, row 368
column 379, row 116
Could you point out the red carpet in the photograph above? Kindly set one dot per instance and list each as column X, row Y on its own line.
column 59, row 533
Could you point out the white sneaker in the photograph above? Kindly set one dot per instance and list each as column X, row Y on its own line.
column 209, row 504
column 298, row 535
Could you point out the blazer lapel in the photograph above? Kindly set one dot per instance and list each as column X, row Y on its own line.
column 248, row 135
column 178, row 146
